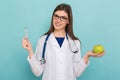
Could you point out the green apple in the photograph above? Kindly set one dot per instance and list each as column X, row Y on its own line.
column 97, row 49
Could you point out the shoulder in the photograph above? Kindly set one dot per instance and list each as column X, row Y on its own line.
column 42, row 38
column 77, row 42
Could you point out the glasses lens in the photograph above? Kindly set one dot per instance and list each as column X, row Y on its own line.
column 62, row 18
column 56, row 16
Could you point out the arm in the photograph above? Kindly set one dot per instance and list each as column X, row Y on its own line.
column 34, row 58
column 79, row 64
column 36, row 66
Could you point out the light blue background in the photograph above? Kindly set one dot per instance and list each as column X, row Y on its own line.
column 95, row 22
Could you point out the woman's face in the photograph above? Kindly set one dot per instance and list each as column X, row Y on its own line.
column 60, row 20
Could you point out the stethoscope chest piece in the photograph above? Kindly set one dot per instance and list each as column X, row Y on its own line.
column 43, row 61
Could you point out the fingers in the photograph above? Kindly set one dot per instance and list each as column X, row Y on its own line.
column 100, row 54
column 26, row 39
column 25, row 43
column 96, row 55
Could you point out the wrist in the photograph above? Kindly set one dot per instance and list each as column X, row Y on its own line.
column 30, row 53
column 86, row 58
column 87, row 55
column 30, row 50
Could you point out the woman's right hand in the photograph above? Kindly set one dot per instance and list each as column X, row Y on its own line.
column 26, row 44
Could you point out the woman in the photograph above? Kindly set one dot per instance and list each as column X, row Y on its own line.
column 61, row 59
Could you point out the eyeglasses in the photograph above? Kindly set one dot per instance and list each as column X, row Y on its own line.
column 62, row 18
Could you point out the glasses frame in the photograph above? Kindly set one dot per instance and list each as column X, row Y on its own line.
column 62, row 18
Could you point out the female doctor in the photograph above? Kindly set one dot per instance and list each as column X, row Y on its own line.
column 59, row 57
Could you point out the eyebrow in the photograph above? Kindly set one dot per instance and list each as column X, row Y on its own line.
column 61, row 16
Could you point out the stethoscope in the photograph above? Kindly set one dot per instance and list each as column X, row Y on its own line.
column 72, row 45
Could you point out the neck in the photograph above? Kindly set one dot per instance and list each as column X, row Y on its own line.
column 59, row 33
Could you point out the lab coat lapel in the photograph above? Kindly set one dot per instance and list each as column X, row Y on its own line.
column 54, row 41
column 64, row 44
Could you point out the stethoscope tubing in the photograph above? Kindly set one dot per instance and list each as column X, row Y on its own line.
column 44, row 48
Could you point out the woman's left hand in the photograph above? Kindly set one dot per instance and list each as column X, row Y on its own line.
column 91, row 54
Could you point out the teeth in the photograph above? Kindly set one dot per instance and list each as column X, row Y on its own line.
column 57, row 24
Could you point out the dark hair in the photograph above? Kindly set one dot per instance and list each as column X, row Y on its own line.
column 69, row 27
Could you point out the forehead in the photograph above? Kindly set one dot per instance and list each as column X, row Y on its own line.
column 61, row 13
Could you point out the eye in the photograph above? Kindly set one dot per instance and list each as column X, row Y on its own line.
column 63, row 17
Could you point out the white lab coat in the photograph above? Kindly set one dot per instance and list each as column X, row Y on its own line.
column 61, row 63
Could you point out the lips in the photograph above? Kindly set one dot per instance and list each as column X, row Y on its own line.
column 58, row 24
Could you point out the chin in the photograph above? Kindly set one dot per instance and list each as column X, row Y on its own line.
column 57, row 28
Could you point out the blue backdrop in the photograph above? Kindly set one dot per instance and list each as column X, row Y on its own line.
column 95, row 22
